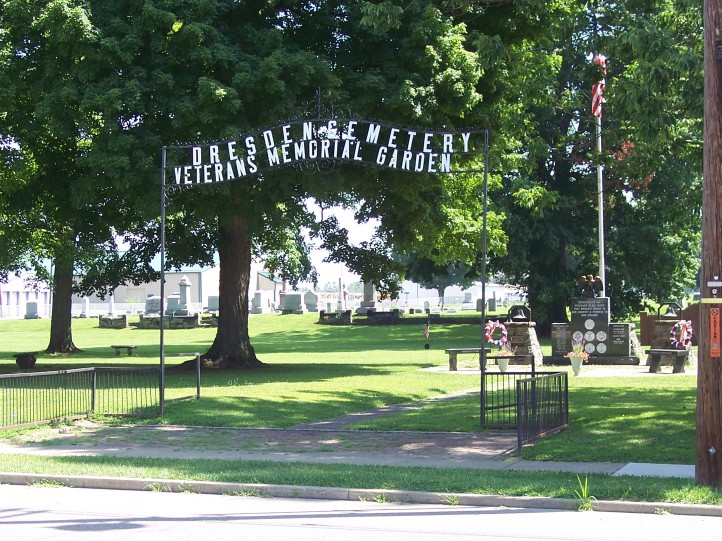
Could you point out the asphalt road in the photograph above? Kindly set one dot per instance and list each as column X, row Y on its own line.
column 31, row 513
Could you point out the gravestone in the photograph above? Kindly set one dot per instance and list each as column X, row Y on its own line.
column 479, row 305
column 310, row 299
column 31, row 310
column 113, row 322
column 467, row 296
column 85, row 310
column 261, row 303
column 184, row 295
column 152, row 305
column 369, row 302
column 213, row 301
column 172, row 304
column 293, row 303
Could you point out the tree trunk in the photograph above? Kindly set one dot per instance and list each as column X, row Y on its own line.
column 61, row 333
column 232, row 345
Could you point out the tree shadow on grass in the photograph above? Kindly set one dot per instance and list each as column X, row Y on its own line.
column 625, row 425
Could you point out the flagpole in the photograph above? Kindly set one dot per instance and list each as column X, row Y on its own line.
column 597, row 101
column 600, row 204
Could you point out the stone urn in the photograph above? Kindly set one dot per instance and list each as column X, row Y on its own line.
column 503, row 363
column 26, row 360
column 576, row 364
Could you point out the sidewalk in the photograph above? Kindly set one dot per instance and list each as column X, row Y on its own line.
column 305, row 443
column 326, row 442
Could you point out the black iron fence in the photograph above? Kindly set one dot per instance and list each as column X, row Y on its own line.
column 534, row 405
column 27, row 399
column 498, row 399
column 542, row 406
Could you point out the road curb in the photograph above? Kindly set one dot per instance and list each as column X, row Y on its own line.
column 354, row 494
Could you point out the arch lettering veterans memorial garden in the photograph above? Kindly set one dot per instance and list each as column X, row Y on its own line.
column 335, row 140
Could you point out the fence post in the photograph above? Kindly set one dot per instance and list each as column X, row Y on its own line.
column 198, row 375
column 93, row 386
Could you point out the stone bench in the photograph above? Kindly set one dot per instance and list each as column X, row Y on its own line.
column 128, row 349
column 454, row 352
column 655, row 359
column 26, row 359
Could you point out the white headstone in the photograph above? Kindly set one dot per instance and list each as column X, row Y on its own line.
column 173, row 303
column 111, row 305
column 262, row 302
column 152, row 305
column 184, row 298
column 213, row 301
column 31, row 310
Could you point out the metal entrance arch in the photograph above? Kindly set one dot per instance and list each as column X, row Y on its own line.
column 321, row 143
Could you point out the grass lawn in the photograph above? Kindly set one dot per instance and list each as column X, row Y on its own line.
column 316, row 372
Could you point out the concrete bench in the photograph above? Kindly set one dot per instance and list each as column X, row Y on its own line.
column 128, row 349
column 26, row 359
column 655, row 359
column 454, row 352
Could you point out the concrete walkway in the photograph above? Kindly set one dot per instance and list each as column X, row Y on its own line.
column 404, row 449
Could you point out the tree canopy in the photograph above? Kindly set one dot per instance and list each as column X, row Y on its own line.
column 652, row 118
column 97, row 87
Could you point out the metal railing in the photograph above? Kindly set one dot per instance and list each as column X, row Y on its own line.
column 498, row 399
column 532, row 404
column 542, row 404
column 35, row 398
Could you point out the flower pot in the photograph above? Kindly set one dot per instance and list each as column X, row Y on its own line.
column 576, row 364
column 503, row 363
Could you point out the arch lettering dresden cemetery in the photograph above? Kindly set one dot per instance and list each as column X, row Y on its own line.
column 320, row 144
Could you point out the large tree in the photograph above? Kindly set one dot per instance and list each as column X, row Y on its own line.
column 173, row 71
column 54, row 207
column 652, row 150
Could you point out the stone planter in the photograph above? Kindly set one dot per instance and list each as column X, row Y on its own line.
column 26, row 360
column 503, row 363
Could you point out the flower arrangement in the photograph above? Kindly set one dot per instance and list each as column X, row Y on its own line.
column 506, row 350
column 578, row 351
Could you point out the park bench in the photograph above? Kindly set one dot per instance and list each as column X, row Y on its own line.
column 128, row 349
column 26, row 359
column 655, row 358
column 454, row 352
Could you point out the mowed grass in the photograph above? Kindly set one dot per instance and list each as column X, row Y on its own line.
column 312, row 371
column 317, row 372
column 453, row 480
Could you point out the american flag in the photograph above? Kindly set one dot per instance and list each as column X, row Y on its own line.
column 598, row 87
column 426, row 330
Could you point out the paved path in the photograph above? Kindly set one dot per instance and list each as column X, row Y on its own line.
column 320, row 442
